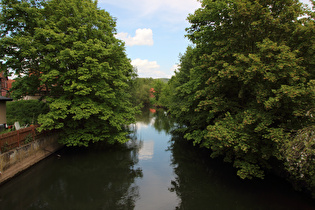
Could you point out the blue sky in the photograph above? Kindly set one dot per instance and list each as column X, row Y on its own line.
column 154, row 32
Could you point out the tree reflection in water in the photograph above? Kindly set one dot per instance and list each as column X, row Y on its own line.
column 204, row 183
column 114, row 177
column 161, row 121
column 83, row 178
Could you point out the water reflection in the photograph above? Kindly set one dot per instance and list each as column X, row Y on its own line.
column 157, row 118
column 146, row 151
column 205, row 183
column 154, row 170
column 150, row 118
column 80, row 179
column 154, row 161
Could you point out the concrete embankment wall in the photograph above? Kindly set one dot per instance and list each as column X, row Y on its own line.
column 17, row 160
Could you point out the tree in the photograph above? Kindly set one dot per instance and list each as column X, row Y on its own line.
column 181, row 101
column 158, row 87
column 16, row 111
column 251, row 81
column 70, row 46
column 140, row 91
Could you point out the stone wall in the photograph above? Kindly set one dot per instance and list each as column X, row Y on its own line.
column 17, row 160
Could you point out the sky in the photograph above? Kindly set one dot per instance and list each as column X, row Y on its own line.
column 153, row 32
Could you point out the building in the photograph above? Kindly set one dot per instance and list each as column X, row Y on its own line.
column 5, row 85
column 3, row 110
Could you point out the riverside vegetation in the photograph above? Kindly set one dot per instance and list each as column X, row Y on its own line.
column 244, row 89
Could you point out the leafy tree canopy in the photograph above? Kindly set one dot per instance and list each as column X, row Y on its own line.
column 246, row 85
column 68, row 49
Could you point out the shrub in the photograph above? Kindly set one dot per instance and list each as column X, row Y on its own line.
column 299, row 156
column 25, row 112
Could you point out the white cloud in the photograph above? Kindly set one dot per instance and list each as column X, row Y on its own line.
column 174, row 68
column 148, row 68
column 143, row 37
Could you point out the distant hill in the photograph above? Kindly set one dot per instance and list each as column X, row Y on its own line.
column 164, row 79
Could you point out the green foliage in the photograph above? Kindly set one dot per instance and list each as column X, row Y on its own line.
column 246, row 85
column 28, row 85
column 25, row 112
column 19, row 19
column 140, row 91
column 299, row 155
column 180, row 100
column 70, row 49
column 28, row 139
column 158, row 86
column 165, row 98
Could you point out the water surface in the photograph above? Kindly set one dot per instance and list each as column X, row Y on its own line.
column 155, row 170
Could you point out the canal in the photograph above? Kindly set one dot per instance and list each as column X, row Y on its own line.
column 154, row 170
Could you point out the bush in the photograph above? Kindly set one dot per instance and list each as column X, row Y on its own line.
column 25, row 112
column 299, row 156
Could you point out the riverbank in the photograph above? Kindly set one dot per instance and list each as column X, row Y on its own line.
column 19, row 159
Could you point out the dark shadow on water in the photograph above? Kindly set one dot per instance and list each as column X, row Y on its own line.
column 82, row 178
column 205, row 183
